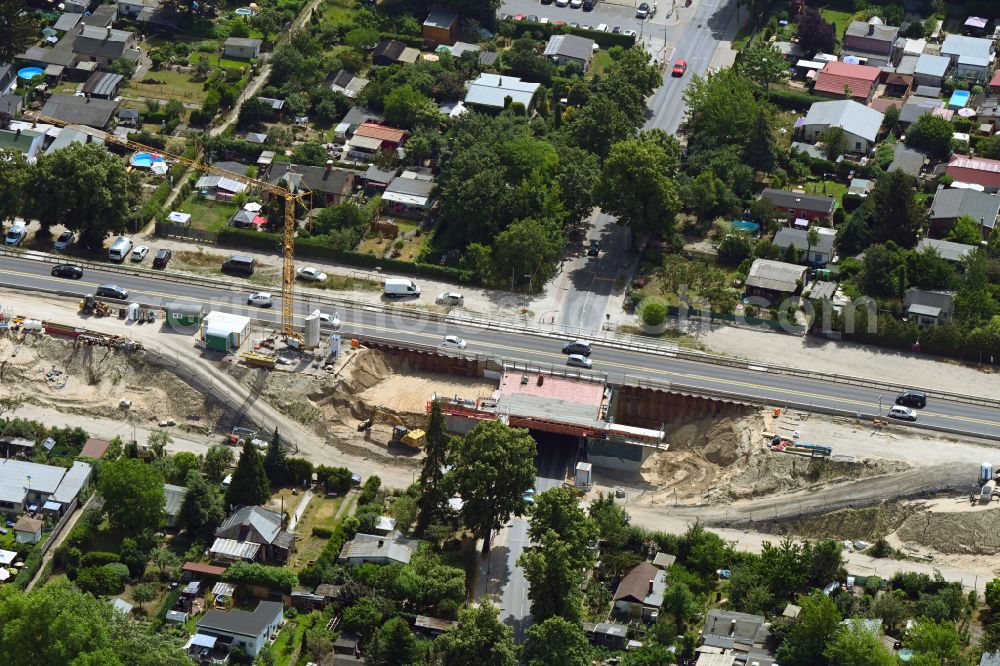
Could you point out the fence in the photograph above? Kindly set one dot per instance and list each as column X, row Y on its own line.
column 183, row 231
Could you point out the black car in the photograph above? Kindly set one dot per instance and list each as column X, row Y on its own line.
column 532, row 18
column 67, row 271
column 162, row 257
column 616, row 30
column 546, row 2
column 916, row 399
column 112, row 291
column 588, row 5
column 594, row 249
column 581, row 347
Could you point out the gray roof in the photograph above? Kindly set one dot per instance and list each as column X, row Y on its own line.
column 990, row 659
column 882, row 33
column 809, row 149
column 346, row 82
column 275, row 104
column 266, row 525
column 491, row 90
column 488, row 58
column 906, row 159
column 570, row 46
column 103, row 84
column 95, row 41
column 932, row 65
column 242, row 622
column 318, row 179
column 664, row 560
column 943, row 301
column 417, row 187
column 907, row 64
column 852, row 117
column 961, row 45
column 68, row 136
column 80, row 110
column 235, row 167
column 916, row 107
column 927, row 91
column 801, row 200
column 738, row 628
column 243, row 41
column 74, row 481
column 458, row 49
column 606, row 628
column 775, row 275
column 946, row 249
column 374, row 173
column 53, row 56
column 357, row 115
column 13, row 475
column 372, row 546
column 952, row 203
column 121, row 605
column 390, row 49
column 67, row 22
column 798, row 238
column 441, row 18
column 789, row 49
column 175, row 497
column 11, row 103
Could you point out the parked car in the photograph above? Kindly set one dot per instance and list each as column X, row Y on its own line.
column 602, row 27
column 579, row 361
column 562, row 3
column 916, row 399
column 261, row 299
column 588, row 5
column 162, row 257
column 71, row 271
column 629, row 33
column 65, row 239
column 139, row 253
column 575, row 4
column 679, row 68
column 16, row 234
column 505, row 17
column 581, row 347
column 902, row 413
column 453, row 342
column 310, row 274
column 450, row 298
column 595, row 248
column 642, row 11
column 616, row 30
column 112, row 291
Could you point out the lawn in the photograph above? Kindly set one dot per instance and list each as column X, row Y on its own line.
column 840, row 18
column 206, row 214
column 291, row 636
column 320, row 513
column 215, row 60
column 173, row 85
column 337, row 11
column 602, row 60
column 821, row 187
column 412, row 244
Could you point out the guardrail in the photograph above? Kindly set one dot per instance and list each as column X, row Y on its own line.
column 611, row 339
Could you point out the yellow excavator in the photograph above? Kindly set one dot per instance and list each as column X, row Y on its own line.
column 91, row 306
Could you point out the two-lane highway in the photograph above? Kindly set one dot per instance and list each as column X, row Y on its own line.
column 619, row 365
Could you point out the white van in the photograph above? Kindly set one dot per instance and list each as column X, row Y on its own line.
column 399, row 287
column 16, row 234
column 120, row 249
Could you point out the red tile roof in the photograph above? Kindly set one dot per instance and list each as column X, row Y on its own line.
column 835, row 75
column 995, row 81
column 381, row 132
column 978, row 170
column 207, row 569
column 95, row 448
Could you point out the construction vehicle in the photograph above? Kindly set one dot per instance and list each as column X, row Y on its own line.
column 291, row 196
column 91, row 306
column 260, row 360
column 414, row 439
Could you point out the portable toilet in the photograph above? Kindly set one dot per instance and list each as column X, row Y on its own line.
column 583, row 473
column 985, row 472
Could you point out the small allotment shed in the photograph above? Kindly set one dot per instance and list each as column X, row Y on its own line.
column 225, row 332
column 184, row 314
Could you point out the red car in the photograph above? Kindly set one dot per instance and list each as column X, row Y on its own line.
column 519, row 17
column 679, row 68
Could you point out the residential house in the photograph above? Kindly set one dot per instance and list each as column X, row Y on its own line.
column 103, row 85
column 104, row 45
column 26, row 486
column 220, row 187
column 931, row 70
column 247, row 630
column 66, row 22
column 132, row 8
column 174, row 496
column 370, row 139
column 25, row 141
column 640, row 592
column 819, row 254
column 377, row 179
column 975, row 170
column 907, row 160
column 774, row 280
column 242, row 48
column 860, row 123
column 409, row 195
column 388, row 52
column 951, row 204
column 329, row 185
column 352, row 120
column 570, row 50
column 377, row 549
column 954, row 253
column 128, row 118
column 28, row 530
column 917, row 106
column 11, row 104
column 799, row 204
column 872, row 41
column 75, row 110
column 929, row 308
column 346, row 83
column 607, row 634
column 491, row 92
column 738, row 634
column 440, row 26
column 971, row 57
column 432, row 626
column 254, row 526
column 836, row 78
column 791, row 51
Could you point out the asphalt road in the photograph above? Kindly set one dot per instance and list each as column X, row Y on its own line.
column 617, row 364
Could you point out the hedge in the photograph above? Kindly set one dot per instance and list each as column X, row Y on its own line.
column 98, row 558
column 322, row 532
column 307, row 247
column 792, row 99
column 273, row 578
column 415, row 42
column 313, row 575
column 31, row 566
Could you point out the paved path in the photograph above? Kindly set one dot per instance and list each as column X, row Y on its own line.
column 67, row 528
column 299, row 510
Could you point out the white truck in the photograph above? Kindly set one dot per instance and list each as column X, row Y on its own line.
column 399, row 287
column 120, row 249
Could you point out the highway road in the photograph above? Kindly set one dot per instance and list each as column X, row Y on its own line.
column 619, row 365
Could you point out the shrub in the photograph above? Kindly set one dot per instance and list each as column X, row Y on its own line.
column 334, row 479
column 99, row 558
column 791, row 99
column 275, row 578
column 101, row 580
column 31, row 566
column 653, row 311
column 322, row 532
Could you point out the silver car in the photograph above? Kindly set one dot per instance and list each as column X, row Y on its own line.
column 579, row 361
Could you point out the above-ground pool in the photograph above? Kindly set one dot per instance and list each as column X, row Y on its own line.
column 244, row 11
column 28, row 73
column 744, row 225
column 145, row 160
column 959, row 99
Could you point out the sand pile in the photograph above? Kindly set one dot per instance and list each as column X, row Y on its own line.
column 953, row 527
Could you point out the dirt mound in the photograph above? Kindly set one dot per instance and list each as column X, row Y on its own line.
column 975, row 531
column 866, row 524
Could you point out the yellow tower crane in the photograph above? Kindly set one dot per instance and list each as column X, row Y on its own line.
column 291, row 198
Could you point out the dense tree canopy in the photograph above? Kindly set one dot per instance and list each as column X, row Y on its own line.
column 479, row 638
column 637, row 184
column 133, row 494
column 556, row 641
column 249, row 485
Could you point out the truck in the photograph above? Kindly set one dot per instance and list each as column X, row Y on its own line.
column 399, row 287
column 16, row 234
column 121, row 248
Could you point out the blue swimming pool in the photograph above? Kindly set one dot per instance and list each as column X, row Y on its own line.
column 144, row 160
column 745, row 226
column 28, row 73
column 959, row 99
column 244, row 11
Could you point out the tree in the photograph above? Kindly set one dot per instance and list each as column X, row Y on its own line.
column 892, row 118
column 276, row 461
column 158, row 440
column 478, row 638
column 931, row 133
column 763, row 64
column 394, row 645
column 14, row 174
column 433, row 496
column 164, row 559
column 133, row 495
column 217, row 461
column 855, row 645
column 989, row 147
column 812, row 238
column 252, row 114
column 679, row 601
column 266, row 21
column 143, row 593
column 806, row 641
column 202, row 511
column 893, row 211
column 311, row 153
column 721, row 110
column 527, row 251
column 637, row 186
column 939, row 639
column 814, row 33
column 965, row 230
column 249, row 485
column 650, row 654
column 834, row 141
column 576, row 175
column 600, row 124
column 558, row 510
column 556, row 641
column 405, row 107
column 18, row 29
column 493, row 466
column 554, row 579
column 101, row 189
column 760, row 152
column 610, row 518
column 10, row 403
